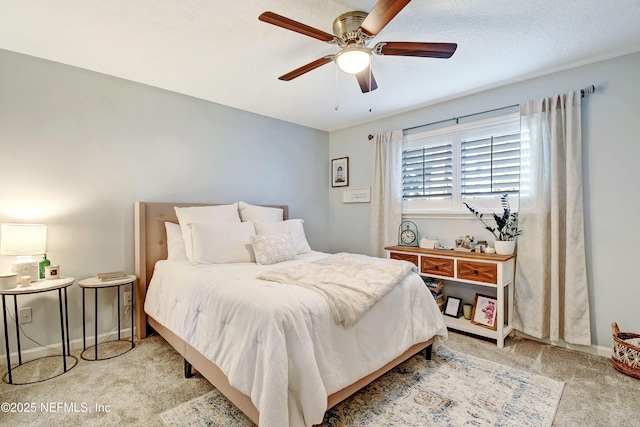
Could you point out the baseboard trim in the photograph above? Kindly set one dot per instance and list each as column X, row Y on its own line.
column 76, row 344
column 590, row 349
column 52, row 349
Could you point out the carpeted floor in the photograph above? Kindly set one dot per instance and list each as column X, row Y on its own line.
column 133, row 389
column 452, row 389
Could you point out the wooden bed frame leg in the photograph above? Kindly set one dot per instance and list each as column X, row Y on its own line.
column 188, row 369
column 427, row 352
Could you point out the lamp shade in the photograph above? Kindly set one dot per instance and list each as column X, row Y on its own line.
column 353, row 59
column 23, row 239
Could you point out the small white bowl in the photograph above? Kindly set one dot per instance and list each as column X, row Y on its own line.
column 8, row 280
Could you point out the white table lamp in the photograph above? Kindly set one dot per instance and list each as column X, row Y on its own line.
column 23, row 241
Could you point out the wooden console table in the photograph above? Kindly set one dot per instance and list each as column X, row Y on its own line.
column 483, row 270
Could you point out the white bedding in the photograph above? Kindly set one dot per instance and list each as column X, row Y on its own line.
column 351, row 283
column 278, row 343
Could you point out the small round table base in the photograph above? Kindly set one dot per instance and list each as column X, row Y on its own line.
column 47, row 364
column 107, row 350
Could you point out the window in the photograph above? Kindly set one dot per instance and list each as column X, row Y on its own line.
column 427, row 172
column 478, row 160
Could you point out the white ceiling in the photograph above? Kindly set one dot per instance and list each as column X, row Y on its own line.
column 219, row 51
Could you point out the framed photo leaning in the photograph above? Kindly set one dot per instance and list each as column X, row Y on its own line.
column 485, row 311
column 452, row 307
column 340, row 172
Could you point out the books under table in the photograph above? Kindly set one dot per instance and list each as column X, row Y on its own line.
column 111, row 275
column 433, row 284
column 435, row 287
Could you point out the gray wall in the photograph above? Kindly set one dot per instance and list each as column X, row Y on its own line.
column 611, row 125
column 78, row 149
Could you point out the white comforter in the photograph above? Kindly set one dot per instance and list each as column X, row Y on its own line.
column 278, row 343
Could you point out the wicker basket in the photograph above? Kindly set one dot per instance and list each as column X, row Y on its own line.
column 625, row 353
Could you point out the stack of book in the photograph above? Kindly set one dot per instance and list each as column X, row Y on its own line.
column 435, row 286
column 112, row 275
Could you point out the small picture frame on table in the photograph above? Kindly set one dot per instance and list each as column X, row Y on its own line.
column 452, row 307
column 340, row 172
column 485, row 311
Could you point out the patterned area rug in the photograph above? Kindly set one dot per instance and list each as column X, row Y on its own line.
column 453, row 389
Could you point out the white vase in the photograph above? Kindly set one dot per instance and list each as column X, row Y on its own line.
column 505, row 247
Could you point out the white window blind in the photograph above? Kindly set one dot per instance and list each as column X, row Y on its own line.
column 427, row 172
column 490, row 165
column 479, row 160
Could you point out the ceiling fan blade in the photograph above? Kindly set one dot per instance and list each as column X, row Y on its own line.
column 424, row 50
column 381, row 14
column 290, row 24
column 306, row 68
column 366, row 80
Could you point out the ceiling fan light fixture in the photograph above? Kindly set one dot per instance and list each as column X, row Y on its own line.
column 353, row 59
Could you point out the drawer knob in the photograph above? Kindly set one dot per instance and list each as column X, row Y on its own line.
column 436, row 267
column 475, row 271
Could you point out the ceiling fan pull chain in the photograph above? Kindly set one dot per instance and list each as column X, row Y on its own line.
column 337, row 91
column 370, row 78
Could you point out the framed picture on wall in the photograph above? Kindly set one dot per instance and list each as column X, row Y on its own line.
column 340, row 172
column 485, row 311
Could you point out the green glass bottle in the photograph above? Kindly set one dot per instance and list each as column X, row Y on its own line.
column 43, row 263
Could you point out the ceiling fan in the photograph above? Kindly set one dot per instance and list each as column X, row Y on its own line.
column 353, row 31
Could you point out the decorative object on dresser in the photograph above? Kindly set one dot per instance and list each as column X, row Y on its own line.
column 428, row 243
column 408, row 234
column 23, row 241
column 506, row 229
column 494, row 273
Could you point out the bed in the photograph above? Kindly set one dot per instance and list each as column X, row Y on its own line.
column 315, row 362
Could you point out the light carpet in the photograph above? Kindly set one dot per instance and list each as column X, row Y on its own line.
column 452, row 389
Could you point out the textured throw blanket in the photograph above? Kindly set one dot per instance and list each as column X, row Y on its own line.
column 351, row 283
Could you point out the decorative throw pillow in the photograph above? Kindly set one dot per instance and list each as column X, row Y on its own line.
column 273, row 248
column 175, row 243
column 203, row 214
column 293, row 227
column 259, row 213
column 220, row 243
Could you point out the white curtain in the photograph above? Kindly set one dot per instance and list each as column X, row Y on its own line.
column 551, row 293
column 386, row 191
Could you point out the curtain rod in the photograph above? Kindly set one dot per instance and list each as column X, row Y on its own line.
column 589, row 89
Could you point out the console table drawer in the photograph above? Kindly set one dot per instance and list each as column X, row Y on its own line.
column 478, row 271
column 438, row 266
column 404, row 257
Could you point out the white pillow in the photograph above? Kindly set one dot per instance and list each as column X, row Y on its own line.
column 259, row 213
column 203, row 214
column 273, row 248
column 293, row 227
column 219, row 243
column 175, row 243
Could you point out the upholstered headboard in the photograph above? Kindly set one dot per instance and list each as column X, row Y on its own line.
column 150, row 246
